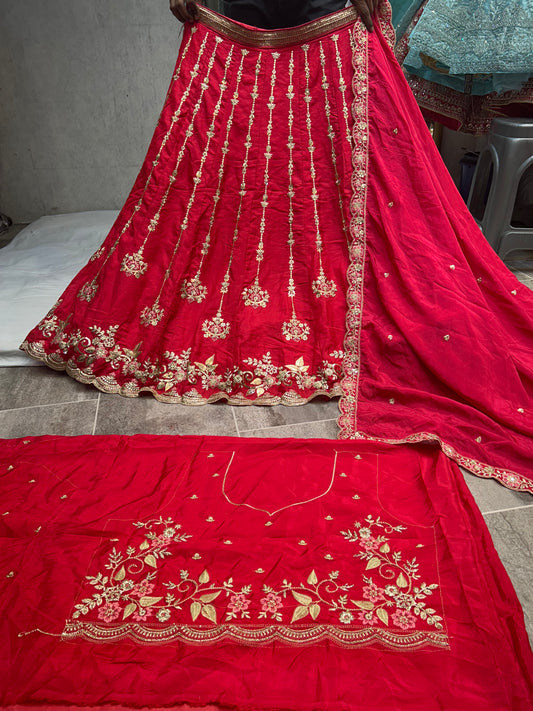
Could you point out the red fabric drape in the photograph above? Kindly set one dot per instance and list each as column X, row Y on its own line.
column 440, row 333
column 151, row 571
column 228, row 271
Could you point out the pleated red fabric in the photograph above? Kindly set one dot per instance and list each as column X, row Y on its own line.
column 294, row 226
column 153, row 571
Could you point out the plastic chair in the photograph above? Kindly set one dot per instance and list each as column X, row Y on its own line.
column 504, row 173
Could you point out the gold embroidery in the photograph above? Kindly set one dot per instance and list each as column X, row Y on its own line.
column 217, row 328
column 134, row 264
column 278, row 38
column 342, row 88
column 283, row 508
column 197, row 178
column 254, row 295
column 137, row 256
column 194, row 290
column 151, row 316
column 266, row 635
column 88, row 291
column 256, row 377
column 294, row 329
column 129, row 590
column 321, row 286
column 331, row 136
column 350, row 384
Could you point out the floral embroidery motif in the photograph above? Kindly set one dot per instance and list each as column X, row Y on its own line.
column 88, row 291
column 134, row 264
column 97, row 254
column 216, row 328
column 295, row 330
column 324, row 287
column 255, row 296
column 403, row 594
column 321, row 286
column 151, row 316
column 174, row 369
column 129, row 590
column 193, row 290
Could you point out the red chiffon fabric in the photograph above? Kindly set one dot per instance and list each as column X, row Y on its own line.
column 151, row 571
column 439, row 332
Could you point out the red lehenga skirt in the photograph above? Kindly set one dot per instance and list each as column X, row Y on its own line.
column 224, row 275
column 293, row 227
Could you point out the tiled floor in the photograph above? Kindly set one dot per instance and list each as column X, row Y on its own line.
column 36, row 401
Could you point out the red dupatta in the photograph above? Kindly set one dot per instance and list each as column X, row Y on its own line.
column 439, row 333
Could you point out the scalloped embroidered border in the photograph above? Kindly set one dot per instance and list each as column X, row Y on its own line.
column 355, row 272
column 250, row 636
column 108, row 384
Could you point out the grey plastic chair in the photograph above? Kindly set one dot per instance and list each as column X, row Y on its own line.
column 504, row 172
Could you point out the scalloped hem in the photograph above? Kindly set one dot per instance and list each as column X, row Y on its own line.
column 255, row 637
column 510, row 479
column 108, row 384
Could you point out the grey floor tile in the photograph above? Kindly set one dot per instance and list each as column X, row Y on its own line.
column 75, row 418
column 520, row 261
column 326, row 429
column 512, row 533
column 37, row 385
column 145, row 415
column 492, row 496
column 526, row 279
column 256, row 418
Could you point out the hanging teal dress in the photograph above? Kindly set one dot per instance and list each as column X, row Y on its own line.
column 473, row 46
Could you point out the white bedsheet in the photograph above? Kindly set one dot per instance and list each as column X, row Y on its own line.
column 37, row 266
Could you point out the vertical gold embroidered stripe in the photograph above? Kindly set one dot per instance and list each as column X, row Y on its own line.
column 216, row 327
column 194, row 290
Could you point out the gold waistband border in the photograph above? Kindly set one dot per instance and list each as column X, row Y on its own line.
column 259, row 38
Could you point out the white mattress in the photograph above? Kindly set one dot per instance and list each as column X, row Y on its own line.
column 37, row 266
